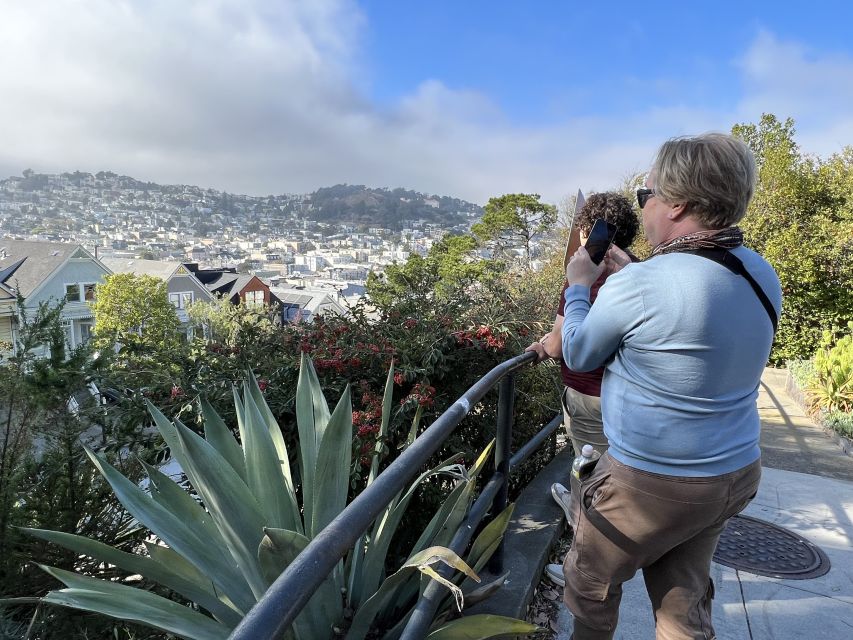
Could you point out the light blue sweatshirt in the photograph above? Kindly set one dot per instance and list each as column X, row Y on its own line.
column 684, row 341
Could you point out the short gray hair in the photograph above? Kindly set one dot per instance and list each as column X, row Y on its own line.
column 712, row 174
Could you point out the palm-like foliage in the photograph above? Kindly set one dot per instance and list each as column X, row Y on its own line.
column 222, row 547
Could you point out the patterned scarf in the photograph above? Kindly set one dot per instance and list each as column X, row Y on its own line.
column 727, row 238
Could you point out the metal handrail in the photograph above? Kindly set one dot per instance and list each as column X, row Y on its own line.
column 287, row 596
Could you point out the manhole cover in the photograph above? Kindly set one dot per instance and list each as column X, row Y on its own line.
column 759, row 547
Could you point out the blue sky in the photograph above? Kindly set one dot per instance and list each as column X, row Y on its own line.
column 466, row 98
column 548, row 61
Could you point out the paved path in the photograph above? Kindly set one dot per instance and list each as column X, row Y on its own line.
column 790, row 441
column 807, row 488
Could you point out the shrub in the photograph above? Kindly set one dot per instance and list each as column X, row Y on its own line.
column 832, row 386
column 225, row 543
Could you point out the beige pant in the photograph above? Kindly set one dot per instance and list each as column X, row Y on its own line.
column 667, row 526
column 582, row 419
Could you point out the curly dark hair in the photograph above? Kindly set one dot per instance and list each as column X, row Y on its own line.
column 615, row 208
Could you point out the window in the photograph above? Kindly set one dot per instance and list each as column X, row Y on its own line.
column 254, row 298
column 80, row 292
column 72, row 292
column 69, row 333
column 181, row 300
column 86, row 329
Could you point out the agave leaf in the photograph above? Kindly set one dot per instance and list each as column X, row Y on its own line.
column 240, row 411
column 481, row 626
column 489, row 538
column 167, row 492
column 357, row 557
column 373, row 567
column 459, row 495
column 481, row 460
column 457, row 514
column 423, row 561
column 167, row 430
column 280, row 447
column 228, row 500
column 413, row 432
column 177, row 534
column 312, row 417
column 387, row 402
column 276, row 551
column 455, row 591
column 178, row 565
column 203, row 595
column 263, row 470
column 136, row 605
column 331, row 477
column 217, row 433
column 485, row 591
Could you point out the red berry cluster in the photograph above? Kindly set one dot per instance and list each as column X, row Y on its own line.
column 422, row 393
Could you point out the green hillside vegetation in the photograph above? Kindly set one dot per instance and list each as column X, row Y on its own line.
column 390, row 208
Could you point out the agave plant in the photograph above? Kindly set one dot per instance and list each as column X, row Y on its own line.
column 222, row 545
column 832, row 387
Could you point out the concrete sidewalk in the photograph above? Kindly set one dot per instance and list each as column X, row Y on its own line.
column 807, row 488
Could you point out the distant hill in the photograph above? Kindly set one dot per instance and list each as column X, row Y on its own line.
column 359, row 205
column 356, row 205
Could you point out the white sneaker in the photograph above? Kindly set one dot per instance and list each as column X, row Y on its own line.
column 555, row 574
column 563, row 497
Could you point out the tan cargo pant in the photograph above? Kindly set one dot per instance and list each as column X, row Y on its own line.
column 582, row 419
column 665, row 525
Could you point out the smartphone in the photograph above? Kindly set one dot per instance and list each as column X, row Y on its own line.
column 600, row 238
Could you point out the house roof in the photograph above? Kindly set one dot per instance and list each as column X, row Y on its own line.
column 223, row 284
column 24, row 264
column 309, row 299
column 162, row 269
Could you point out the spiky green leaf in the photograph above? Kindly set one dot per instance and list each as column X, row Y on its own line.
column 277, row 550
column 264, row 471
column 177, row 534
column 217, row 433
column 228, row 500
column 135, row 605
column 423, row 561
column 165, row 575
column 331, row 478
column 312, row 417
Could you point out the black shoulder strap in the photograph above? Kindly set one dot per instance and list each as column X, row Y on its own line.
column 734, row 264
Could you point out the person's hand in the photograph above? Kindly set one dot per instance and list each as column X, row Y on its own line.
column 582, row 270
column 539, row 348
column 616, row 259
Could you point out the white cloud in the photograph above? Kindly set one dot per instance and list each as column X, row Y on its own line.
column 791, row 80
column 263, row 96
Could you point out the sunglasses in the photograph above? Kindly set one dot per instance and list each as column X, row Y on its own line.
column 643, row 196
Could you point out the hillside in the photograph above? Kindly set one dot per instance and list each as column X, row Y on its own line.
column 357, row 205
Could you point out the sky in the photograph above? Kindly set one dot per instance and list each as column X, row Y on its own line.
column 470, row 99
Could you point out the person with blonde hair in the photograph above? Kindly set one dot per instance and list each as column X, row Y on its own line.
column 684, row 337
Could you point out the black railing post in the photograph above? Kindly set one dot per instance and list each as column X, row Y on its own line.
column 503, row 453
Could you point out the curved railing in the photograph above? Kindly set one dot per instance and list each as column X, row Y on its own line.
column 287, row 596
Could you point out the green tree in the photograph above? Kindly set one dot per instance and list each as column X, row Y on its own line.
column 445, row 273
column 801, row 221
column 134, row 312
column 44, row 482
column 514, row 220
